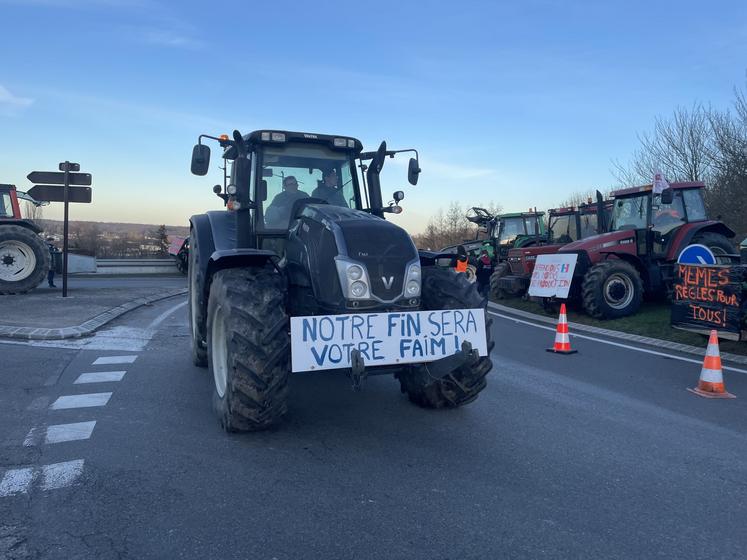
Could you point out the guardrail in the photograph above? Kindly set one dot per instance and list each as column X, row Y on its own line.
column 136, row 266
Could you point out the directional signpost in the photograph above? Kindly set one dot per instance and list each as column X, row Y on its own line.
column 58, row 189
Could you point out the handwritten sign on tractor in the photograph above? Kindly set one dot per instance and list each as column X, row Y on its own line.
column 708, row 297
column 325, row 341
column 552, row 275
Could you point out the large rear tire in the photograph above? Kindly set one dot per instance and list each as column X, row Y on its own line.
column 445, row 289
column 496, row 292
column 248, row 348
column 24, row 259
column 197, row 318
column 718, row 244
column 612, row 289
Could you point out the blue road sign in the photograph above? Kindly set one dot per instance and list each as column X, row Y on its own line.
column 696, row 254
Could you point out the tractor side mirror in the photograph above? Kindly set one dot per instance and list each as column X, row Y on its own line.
column 200, row 159
column 398, row 196
column 413, row 171
column 667, row 196
column 378, row 160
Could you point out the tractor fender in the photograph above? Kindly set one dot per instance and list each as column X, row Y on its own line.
column 429, row 258
column 687, row 232
column 215, row 234
column 636, row 262
column 28, row 224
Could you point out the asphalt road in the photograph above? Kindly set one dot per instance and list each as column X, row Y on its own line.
column 602, row 454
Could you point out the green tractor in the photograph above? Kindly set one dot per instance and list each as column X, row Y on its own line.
column 509, row 231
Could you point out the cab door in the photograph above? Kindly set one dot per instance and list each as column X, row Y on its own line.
column 666, row 219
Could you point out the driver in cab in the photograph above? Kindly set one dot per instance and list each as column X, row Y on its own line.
column 278, row 213
column 329, row 190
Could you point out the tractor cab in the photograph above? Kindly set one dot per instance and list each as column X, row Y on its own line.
column 658, row 219
column 273, row 177
column 569, row 224
column 9, row 208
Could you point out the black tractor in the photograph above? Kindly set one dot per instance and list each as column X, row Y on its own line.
column 302, row 273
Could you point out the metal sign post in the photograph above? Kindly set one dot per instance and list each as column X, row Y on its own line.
column 60, row 190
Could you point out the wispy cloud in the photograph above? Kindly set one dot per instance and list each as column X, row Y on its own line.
column 164, row 37
column 12, row 105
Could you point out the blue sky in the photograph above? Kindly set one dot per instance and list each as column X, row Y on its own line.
column 518, row 103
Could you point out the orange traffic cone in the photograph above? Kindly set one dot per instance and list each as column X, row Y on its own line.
column 711, row 383
column 562, row 342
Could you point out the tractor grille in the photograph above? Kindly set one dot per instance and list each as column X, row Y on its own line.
column 385, row 250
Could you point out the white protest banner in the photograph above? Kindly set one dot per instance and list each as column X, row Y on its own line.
column 552, row 275
column 325, row 341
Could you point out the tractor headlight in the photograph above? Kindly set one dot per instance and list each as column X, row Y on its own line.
column 355, row 272
column 413, row 280
column 353, row 279
column 358, row 289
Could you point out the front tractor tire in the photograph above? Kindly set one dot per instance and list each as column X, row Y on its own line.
column 501, row 270
column 612, row 289
column 248, row 348
column 444, row 289
column 197, row 318
column 24, row 259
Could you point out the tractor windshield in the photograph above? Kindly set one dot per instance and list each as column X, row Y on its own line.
column 510, row 229
column 296, row 171
column 563, row 228
column 589, row 224
column 630, row 212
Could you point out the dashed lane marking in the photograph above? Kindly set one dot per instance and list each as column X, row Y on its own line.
column 53, row 477
column 618, row 344
column 100, row 377
column 60, row 475
column 59, row 433
column 16, row 481
column 86, row 400
column 108, row 360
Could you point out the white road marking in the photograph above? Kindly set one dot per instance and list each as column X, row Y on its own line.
column 81, row 401
column 16, row 481
column 59, row 475
column 59, row 433
column 162, row 317
column 108, row 360
column 100, row 377
column 618, row 344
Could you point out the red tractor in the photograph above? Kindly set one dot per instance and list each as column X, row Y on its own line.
column 24, row 257
column 565, row 225
column 647, row 233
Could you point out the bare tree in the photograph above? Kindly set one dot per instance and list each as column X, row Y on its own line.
column 681, row 147
column 32, row 211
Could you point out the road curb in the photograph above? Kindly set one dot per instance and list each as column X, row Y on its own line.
column 88, row 327
column 656, row 342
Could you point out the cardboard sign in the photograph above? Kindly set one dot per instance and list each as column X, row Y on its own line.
column 708, row 297
column 552, row 275
column 322, row 342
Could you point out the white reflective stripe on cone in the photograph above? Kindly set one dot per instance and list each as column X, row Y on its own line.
column 712, row 350
column 711, row 375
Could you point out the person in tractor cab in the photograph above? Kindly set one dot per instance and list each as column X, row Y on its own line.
column 278, row 212
column 329, row 190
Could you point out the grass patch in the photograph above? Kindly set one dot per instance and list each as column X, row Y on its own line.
column 652, row 320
